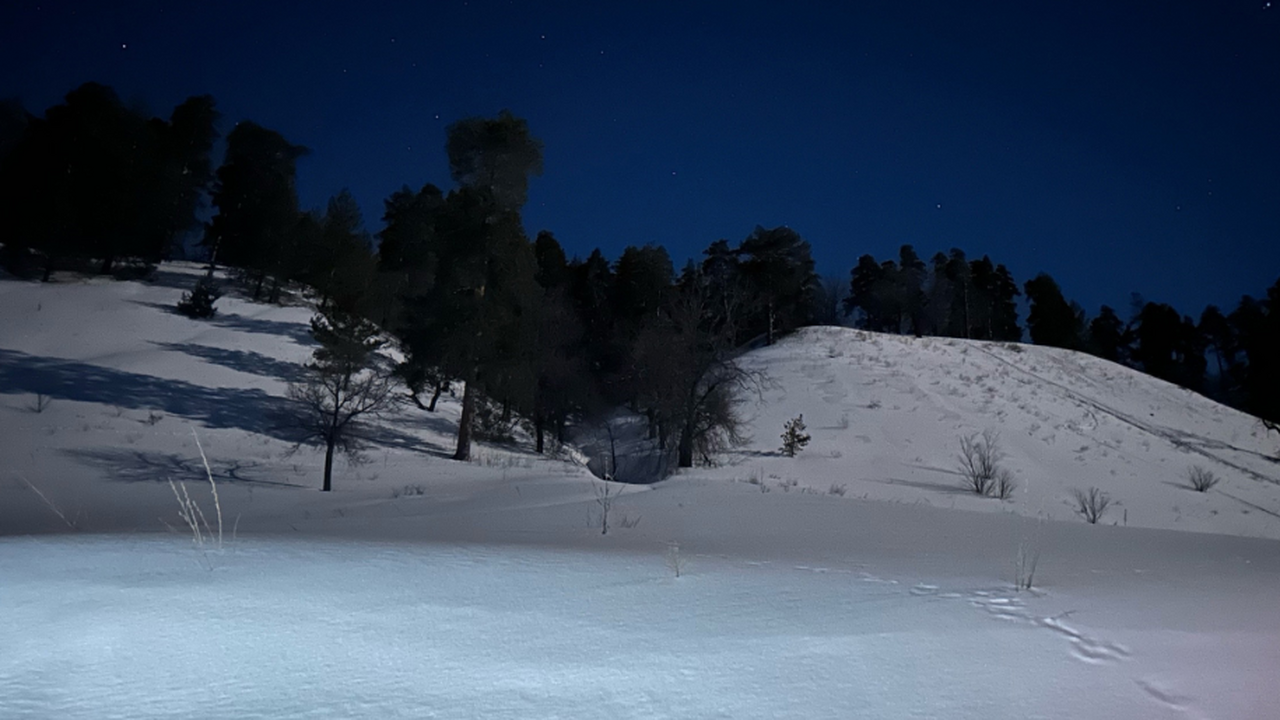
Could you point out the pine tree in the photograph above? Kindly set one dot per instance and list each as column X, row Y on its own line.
column 1107, row 336
column 257, row 204
column 199, row 302
column 793, row 436
column 1052, row 321
column 778, row 268
column 345, row 385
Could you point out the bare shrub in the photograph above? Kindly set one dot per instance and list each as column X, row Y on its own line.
column 1003, row 484
column 840, row 489
column 980, row 457
column 675, row 560
column 1201, row 479
column 1091, row 505
column 1028, row 559
column 605, row 497
column 409, row 491
column 41, row 402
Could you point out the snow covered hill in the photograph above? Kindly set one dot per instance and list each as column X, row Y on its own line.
column 887, row 413
column 854, row 580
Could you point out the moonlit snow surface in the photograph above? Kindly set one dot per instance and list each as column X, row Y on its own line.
column 153, row 628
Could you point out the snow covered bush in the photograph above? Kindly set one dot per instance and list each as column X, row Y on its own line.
column 980, row 457
column 1201, row 479
column 199, row 302
column 1090, row 505
column 793, row 436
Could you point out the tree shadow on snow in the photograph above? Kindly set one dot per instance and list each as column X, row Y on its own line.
column 298, row 332
column 932, row 487
column 243, row 409
column 245, row 361
column 133, row 466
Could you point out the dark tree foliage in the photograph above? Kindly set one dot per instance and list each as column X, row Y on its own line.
column 912, row 276
column 339, row 261
column 777, row 268
column 495, row 154
column 1257, row 327
column 553, row 266
column 1168, row 346
column 96, row 179
column 564, row 385
column 688, row 376
column 1107, row 337
column 257, row 202
column 199, row 303
column 590, row 289
column 993, row 308
column 828, row 301
column 406, row 244
column 1220, row 337
column 726, row 288
column 478, row 320
column 1052, row 320
column 868, row 297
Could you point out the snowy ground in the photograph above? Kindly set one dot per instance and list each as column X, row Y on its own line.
column 427, row 588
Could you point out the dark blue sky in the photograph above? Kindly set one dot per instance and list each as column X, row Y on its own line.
column 1120, row 146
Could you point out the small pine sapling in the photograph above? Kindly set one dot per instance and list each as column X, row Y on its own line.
column 199, row 302
column 793, row 436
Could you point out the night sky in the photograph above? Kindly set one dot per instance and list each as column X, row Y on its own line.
column 1120, row 146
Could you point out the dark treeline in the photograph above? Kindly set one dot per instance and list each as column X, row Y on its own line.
column 529, row 332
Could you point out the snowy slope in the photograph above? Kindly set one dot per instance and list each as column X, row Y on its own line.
column 423, row 587
column 886, row 414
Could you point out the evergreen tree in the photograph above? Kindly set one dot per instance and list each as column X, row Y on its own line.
column 956, row 279
column 1107, row 337
column 1168, row 346
column 478, row 320
column 344, row 386
column 1052, row 320
column 1257, row 325
column 863, row 280
column 912, row 275
column 727, row 291
column 778, row 268
column 95, row 179
column 341, row 264
column 1219, row 336
column 794, row 437
column 498, row 155
column 257, row 203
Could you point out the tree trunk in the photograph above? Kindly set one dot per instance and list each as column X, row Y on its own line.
column 106, row 265
column 435, row 396
column 539, row 431
column 464, row 423
column 768, row 340
column 328, row 466
column 686, row 447
column 257, row 288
